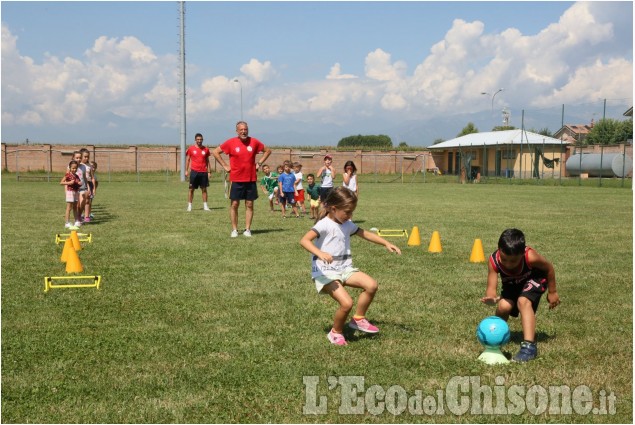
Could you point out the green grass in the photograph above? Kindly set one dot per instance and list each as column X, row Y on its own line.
column 191, row 326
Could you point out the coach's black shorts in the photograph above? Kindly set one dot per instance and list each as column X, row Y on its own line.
column 198, row 179
column 532, row 290
column 245, row 190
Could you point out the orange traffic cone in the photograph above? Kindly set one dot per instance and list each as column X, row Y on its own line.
column 477, row 256
column 75, row 239
column 435, row 243
column 73, row 265
column 414, row 239
column 68, row 246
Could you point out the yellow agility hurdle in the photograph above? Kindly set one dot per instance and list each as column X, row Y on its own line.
column 392, row 233
column 48, row 282
column 83, row 237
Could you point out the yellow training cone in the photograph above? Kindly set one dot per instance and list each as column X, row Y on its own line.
column 435, row 243
column 477, row 256
column 414, row 239
column 68, row 246
column 75, row 239
column 73, row 265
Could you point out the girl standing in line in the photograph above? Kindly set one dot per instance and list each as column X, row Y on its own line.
column 350, row 177
column 72, row 182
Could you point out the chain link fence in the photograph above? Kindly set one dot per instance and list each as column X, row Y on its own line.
column 145, row 164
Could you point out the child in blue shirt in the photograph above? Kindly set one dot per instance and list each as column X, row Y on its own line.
column 287, row 189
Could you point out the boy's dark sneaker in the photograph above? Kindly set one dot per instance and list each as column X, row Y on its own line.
column 528, row 351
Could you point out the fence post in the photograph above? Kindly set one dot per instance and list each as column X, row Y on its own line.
column 580, row 168
column 136, row 163
column 601, row 165
column 623, row 162
column 562, row 164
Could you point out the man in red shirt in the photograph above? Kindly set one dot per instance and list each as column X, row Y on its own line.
column 197, row 163
column 242, row 168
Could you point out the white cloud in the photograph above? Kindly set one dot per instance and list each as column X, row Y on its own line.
column 379, row 67
column 336, row 73
column 583, row 84
column 577, row 59
column 392, row 101
column 258, row 71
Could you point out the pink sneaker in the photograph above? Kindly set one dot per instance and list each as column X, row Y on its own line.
column 363, row 325
column 335, row 338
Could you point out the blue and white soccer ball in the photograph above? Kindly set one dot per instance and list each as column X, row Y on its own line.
column 493, row 332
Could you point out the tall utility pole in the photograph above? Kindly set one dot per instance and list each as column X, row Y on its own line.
column 493, row 96
column 236, row 80
column 182, row 86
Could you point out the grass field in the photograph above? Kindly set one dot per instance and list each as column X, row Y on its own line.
column 192, row 326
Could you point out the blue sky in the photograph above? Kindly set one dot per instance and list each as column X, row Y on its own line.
column 310, row 72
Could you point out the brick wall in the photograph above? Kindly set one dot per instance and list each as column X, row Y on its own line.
column 55, row 159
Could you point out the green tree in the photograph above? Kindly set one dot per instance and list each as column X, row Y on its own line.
column 503, row 128
column 370, row 141
column 437, row 141
column 609, row 132
column 403, row 145
column 468, row 129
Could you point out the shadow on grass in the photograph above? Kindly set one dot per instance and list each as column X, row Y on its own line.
column 352, row 335
column 101, row 215
column 517, row 336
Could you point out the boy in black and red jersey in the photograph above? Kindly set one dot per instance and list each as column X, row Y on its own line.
column 525, row 276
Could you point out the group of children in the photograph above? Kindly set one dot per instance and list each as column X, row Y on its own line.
column 285, row 187
column 80, row 183
column 525, row 275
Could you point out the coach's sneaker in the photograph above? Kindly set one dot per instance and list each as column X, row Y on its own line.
column 189, row 207
column 67, row 226
column 234, row 233
column 363, row 325
column 205, row 207
column 528, row 351
column 335, row 338
column 247, row 233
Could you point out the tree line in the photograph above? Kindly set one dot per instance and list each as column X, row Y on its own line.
column 606, row 131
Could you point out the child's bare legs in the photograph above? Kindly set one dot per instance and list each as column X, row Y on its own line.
column 527, row 315
column 69, row 206
column 81, row 204
column 87, row 206
column 76, row 212
column 294, row 208
column 72, row 207
column 339, row 294
column 283, row 206
column 369, row 287
column 527, row 318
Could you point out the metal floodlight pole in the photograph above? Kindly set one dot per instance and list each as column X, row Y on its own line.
column 182, row 83
column 493, row 96
column 236, row 80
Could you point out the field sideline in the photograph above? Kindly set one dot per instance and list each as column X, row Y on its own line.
column 191, row 326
